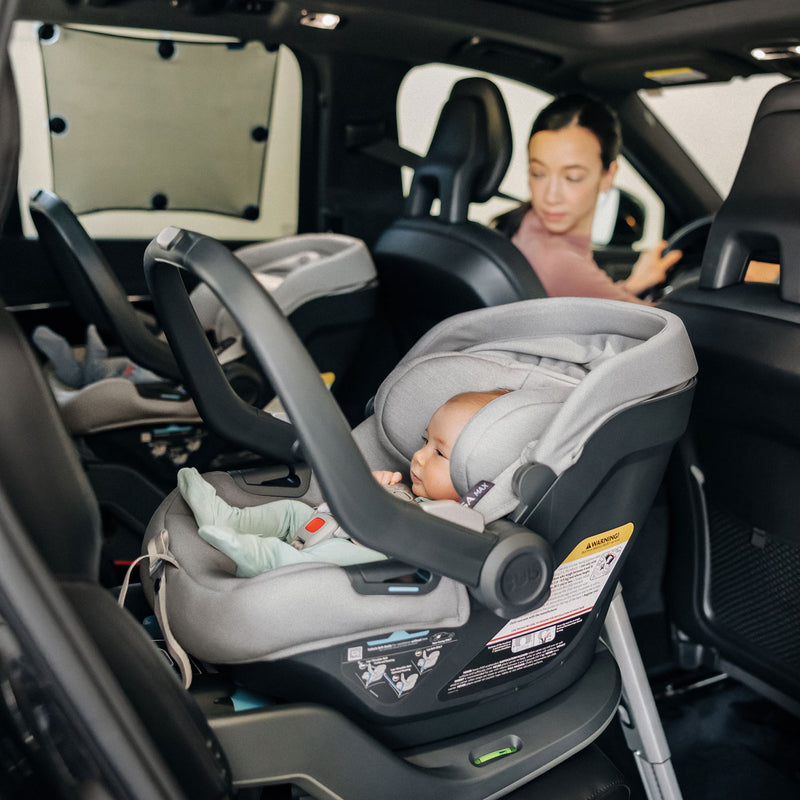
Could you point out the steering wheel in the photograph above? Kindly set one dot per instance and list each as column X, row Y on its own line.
column 691, row 240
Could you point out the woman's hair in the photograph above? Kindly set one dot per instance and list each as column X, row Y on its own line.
column 580, row 109
column 566, row 110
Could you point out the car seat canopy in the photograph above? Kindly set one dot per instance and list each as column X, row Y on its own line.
column 570, row 363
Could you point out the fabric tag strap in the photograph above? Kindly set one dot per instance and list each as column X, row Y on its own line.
column 476, row 493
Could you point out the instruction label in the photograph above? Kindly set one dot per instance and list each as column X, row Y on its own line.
column 533, row 640
column 392, row 667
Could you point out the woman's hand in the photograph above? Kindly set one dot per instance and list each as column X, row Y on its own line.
column 387, row 478
column 651, row 268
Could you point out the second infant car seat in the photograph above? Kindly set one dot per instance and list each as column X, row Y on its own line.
column 466, row 628
column 324, row 283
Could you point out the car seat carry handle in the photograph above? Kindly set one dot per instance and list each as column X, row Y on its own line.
column 502, row 571
column 94, row 288
column 219, row 405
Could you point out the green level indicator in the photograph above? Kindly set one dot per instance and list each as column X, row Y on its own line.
column 495, row 754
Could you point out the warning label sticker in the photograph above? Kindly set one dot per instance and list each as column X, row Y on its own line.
column 534, row 639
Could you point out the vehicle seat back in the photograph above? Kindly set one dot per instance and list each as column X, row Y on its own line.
column 735, row 588
column 434, row 265
column 65, row 531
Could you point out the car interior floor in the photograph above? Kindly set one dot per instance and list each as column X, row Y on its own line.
column 726, row 740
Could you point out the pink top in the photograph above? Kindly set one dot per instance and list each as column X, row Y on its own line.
column 565, row 264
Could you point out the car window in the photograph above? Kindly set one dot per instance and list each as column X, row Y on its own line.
column 712, row 121
column 196, row 131
column 424, row 91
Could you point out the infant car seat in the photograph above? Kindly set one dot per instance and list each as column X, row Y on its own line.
column 479, row 630
column 318, row 281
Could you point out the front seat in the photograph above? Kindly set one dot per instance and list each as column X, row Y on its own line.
column 433, row 265
column 735, row 578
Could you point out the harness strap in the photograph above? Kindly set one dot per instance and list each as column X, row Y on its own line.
column 159, row 554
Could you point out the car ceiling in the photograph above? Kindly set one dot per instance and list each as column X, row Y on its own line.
column 606, row 45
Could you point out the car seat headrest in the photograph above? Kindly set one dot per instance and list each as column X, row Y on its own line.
column 405, row 404
column 504, row 430
column 469, row 153
column 758, row 219
column 497, row 435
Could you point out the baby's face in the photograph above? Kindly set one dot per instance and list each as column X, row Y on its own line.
column 430, row 465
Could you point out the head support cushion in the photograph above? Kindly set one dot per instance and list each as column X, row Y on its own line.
column 501, row 432
column 405, row 404
column 496, row 436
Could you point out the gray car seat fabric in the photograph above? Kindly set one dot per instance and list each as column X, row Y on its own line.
column 227, row 620
column 294, row 270
column 115, row 403
column 566, row 380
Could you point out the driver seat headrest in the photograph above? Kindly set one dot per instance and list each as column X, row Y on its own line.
column 469, row 153
column 758, row 218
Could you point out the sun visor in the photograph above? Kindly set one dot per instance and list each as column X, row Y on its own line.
column 162, row 138
column 650, row 72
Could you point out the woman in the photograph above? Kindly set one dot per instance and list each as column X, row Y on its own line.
column 573, row 152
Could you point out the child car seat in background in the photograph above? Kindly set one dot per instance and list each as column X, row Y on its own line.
column 324, row 283
column 479, row 639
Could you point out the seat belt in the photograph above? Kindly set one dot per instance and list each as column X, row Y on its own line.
column 390, row 152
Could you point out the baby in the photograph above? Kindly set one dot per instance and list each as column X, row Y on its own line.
column 260, row 538
column 96, row 364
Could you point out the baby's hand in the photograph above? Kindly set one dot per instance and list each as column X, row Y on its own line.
column 386, row 478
